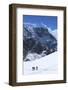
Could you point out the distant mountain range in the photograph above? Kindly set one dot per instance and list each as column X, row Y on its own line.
column 38, row 39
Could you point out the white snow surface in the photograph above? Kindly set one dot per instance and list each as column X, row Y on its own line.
column 46, row 65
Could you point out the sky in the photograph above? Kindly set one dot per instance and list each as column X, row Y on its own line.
column 50, row 21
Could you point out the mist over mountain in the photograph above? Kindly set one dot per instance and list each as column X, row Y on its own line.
column 38, row 41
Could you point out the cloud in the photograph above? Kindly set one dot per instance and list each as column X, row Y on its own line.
column 53, row 32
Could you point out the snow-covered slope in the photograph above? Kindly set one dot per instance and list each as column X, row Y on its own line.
column 45, row 65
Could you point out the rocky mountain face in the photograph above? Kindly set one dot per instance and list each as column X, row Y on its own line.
column 37, row 40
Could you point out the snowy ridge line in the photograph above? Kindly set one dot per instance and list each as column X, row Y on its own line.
column 33, row 25
column 36, row 25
